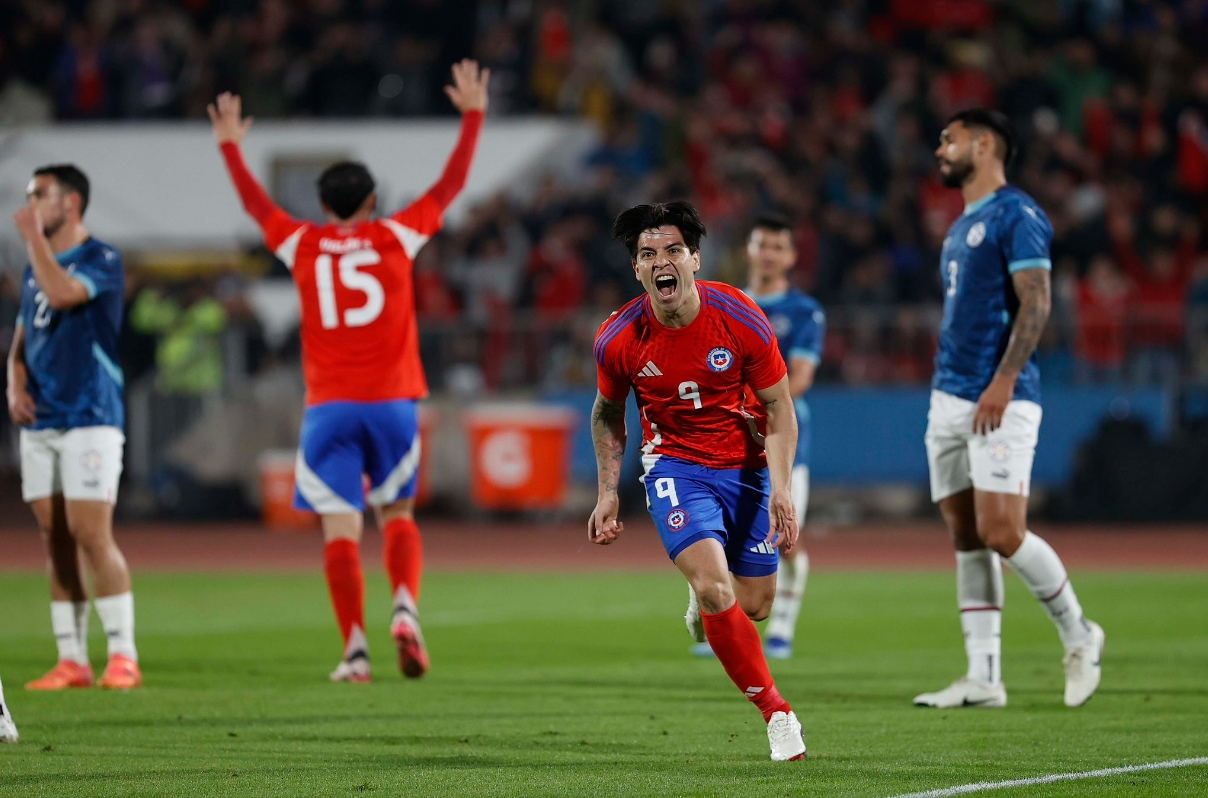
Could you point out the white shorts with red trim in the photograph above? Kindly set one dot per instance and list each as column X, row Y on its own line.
column 959, row 459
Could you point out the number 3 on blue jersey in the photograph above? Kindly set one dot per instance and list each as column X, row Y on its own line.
column 953, row 268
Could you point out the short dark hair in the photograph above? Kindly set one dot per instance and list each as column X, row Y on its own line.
column 344, row 186
column 994, row 121
column 70, row 178
column 630, row 224
column 774, row 223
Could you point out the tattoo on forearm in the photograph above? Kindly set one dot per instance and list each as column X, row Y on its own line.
column 608, row 436
column 1035, row 299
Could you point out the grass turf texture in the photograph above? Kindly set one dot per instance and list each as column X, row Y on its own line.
column 581, row 684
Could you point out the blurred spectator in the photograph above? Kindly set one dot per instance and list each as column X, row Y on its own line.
column 1104, row 296
column 827, row 113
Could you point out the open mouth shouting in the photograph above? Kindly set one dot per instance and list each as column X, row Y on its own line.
column 666, row 284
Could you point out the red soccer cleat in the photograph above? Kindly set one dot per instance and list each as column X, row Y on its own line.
column 63, row 676
column 412, row 655
column 121, row 673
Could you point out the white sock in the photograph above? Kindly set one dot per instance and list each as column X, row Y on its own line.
column 790, row 587
column 82, row 609
column 63, row 623
column 358, row 644
column 3, row 706
column 117, row 618
column 979, row 594
column 1041, row 570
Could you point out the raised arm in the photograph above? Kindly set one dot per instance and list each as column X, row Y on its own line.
column 230, row 127
column 608, row 436
column 1034, row 289
column 781, row 446
column 62, row 290
column 469, row 95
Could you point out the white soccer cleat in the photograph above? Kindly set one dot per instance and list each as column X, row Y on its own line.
column 965, row 692
column 352, row 670
column 785, row 737
column 1082, row 670
column 696, row 626
column 8, row 729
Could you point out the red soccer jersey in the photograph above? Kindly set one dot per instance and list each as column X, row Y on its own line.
column 359, row 336
column 689, row 381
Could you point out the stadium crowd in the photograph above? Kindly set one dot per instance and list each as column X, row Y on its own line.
column 827, row 113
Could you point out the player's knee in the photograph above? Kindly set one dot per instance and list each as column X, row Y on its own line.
column 94, row 540
column 758, row 607
column 714, row 596
column 1000, row 534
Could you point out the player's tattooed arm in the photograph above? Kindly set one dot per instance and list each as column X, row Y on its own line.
column 1034, row 289
column 608, row 436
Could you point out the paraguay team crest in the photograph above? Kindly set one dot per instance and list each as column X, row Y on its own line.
column 676, row 520
column 720, row 359
column 999, row 450
column 977, row 234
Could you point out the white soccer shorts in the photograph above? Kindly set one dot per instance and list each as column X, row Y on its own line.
column 801, row 491
column 84, row 463
column 958, row 459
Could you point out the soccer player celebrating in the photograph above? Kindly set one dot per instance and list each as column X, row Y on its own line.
column 688, row 349
column 800, row 328
column 984, row 419
column 65, row 392
column 360, row 356
column 8, row 729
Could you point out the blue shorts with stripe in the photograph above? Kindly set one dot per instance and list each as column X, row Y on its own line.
column 690, row 502
column 342, row 441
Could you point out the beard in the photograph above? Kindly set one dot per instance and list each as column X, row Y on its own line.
column 52, row 226
column 958, row 172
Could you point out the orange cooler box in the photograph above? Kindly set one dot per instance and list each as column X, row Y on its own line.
column 519, row 456
column 277, row 492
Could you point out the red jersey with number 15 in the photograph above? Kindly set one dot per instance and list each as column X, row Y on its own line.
column 689, row 381
column 360, row 341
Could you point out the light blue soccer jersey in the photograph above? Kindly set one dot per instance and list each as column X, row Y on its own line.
column 800, row 327
column 71, row 354
column 995, row 237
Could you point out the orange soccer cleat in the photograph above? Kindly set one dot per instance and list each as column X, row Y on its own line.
column 64, row 675
column 121, row 673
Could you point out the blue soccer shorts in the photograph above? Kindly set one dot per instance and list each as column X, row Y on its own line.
column 342, row 441
column 691, row 502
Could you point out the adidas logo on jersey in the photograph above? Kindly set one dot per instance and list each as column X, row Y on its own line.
column 650, row 370
column 762, row 548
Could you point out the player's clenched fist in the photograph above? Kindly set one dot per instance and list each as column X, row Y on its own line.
column 226, row 115
column 28, row 223
column 603, row 527
column 782, row 521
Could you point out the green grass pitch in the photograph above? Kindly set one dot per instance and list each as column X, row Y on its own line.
column 581, row 684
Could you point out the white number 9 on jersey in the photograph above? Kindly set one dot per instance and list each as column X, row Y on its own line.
column 350, row 278
column 690, row 392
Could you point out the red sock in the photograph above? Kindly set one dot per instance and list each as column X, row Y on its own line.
column 342, row 565
column 736, row 643
column 403, row 551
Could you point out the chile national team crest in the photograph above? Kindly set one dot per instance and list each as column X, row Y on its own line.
column 676, row 520
column 720, row 359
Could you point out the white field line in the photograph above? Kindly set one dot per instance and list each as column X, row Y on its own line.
column 1088, row 774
